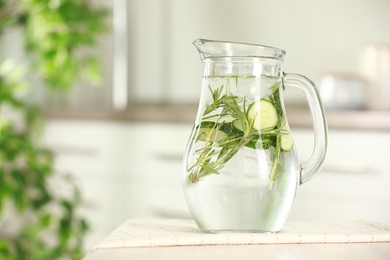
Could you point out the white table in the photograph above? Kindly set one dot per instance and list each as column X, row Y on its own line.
column 285, row 252
column 181, row 239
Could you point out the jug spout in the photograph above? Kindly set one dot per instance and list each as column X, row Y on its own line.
column 214, row 49
column 205, row 48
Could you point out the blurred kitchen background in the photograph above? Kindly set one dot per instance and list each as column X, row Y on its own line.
column 124, row 139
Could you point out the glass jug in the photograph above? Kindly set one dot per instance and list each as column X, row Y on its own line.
column 241, row 170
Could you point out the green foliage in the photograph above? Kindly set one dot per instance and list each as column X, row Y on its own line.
column 56, row 33
column 47, row 224
column 26, row 169
column 229, row 114
column 223, row 105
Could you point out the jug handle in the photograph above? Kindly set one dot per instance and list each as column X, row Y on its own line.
column 317, row 157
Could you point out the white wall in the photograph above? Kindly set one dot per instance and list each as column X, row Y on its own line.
column 319, row 36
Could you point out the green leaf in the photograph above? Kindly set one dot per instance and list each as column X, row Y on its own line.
column 91, row 70
column 209, row 169
column 212, row 157
column 5, row 250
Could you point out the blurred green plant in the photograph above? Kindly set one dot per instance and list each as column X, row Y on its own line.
column 39, row 216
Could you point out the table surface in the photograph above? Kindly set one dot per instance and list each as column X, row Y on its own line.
column 182, row 239
column 354, row 251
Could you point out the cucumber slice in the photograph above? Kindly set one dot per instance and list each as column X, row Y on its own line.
column 263, row 114
column 286, row 140
column 238, row 125
column 210, row 134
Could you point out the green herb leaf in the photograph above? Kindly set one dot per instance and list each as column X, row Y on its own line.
column 228, row 116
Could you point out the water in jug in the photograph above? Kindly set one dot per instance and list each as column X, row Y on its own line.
column 241, row 170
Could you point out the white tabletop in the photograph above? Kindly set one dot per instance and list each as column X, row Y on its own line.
column 182, row 239
column 285, row 252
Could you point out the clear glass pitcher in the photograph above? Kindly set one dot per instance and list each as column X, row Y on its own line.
column 241, row 170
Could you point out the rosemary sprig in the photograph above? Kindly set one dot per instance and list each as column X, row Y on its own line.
column 215, row 153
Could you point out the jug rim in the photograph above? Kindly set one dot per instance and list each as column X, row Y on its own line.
column 217, row 48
